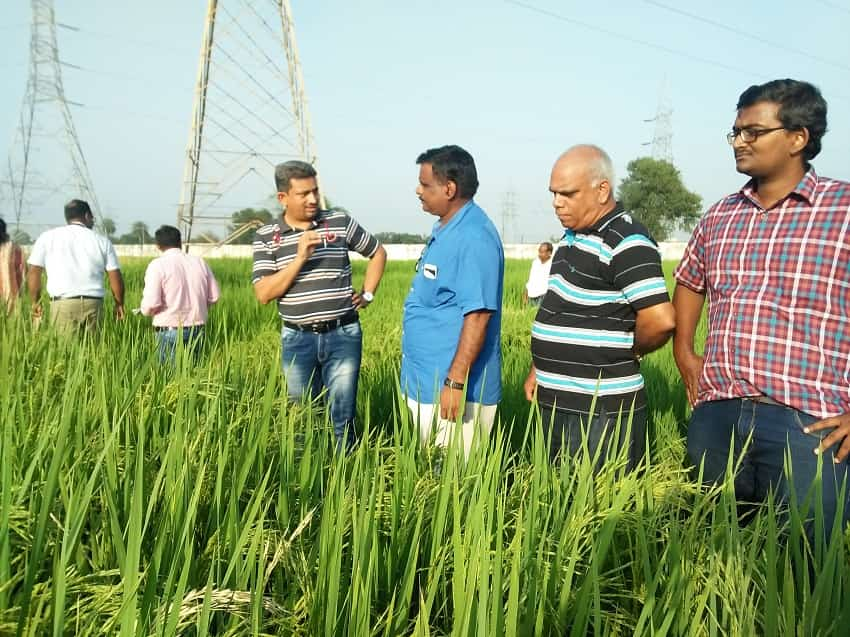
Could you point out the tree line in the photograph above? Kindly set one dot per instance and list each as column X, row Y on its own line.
column 652, row 190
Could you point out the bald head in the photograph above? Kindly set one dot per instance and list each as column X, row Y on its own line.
column 595, row 161
column 582, row 185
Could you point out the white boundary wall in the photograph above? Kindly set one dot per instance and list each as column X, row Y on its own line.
column 670, row 251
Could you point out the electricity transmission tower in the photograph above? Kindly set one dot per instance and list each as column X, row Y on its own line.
column 250, row 113
column 662, row 138
column 509, row 213
column 46, row 166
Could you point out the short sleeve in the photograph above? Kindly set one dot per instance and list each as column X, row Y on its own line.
column 691, row 269
column 264, row 259
column 479, row 274
column 38, row 253
column 636, row 264
column 359, row 240
column 111, row 257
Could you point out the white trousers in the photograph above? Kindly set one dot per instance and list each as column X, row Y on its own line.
column 476, row 424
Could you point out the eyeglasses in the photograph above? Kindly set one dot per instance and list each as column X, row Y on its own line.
column 749, row 135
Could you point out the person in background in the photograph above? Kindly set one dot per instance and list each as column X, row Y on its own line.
column 179, row 288
column 538, row 277
column 11, row 269
column 301, row 261
column 607, row 305
column 75, row 258
column 451, row 328
column 773, row 260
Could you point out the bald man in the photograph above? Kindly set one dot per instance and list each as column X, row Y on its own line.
column 605, row 307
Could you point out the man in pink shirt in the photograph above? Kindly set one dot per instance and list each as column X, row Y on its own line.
column 179, row 288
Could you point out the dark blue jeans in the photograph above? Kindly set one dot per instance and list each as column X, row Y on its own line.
column 721, row 425
column 569, row 430
column 166, row 342
column 332, row 360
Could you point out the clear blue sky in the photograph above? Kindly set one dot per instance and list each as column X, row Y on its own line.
column 513, row 82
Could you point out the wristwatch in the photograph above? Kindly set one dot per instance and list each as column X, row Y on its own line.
column 452, row 384
column 367, row 296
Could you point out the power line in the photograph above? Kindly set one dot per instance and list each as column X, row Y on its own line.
column 647, row 43
column 634, row 40
column 158, row 46
column 746, row 34
column 833, row 5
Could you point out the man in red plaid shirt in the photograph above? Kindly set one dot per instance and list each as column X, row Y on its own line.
column 774, row 261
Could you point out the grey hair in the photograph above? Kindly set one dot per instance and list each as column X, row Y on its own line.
column 599, row 165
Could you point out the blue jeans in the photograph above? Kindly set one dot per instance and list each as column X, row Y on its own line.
column 332, row 359
column 719, row 424
column 569, row 430
column 166, row 341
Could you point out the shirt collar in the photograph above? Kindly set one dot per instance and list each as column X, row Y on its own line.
column 285, row 227
column 804, row 190
column 603, row 222
column 454, row 220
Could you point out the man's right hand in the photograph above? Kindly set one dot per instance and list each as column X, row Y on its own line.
column 690, row 367
column 307, row 242
column 37, row 311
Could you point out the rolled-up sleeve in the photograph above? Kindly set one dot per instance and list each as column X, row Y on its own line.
column 213, row 291
column 152, row 300
column 691, row 269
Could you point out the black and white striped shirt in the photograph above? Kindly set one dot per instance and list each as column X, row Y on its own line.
column 583, row 336
column 322, row 290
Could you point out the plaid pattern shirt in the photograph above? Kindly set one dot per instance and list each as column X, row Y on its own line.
column 778, row 287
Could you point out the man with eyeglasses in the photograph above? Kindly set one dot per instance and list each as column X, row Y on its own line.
column 774, row 261
column 451, row 351
column 301, row 261
column 74, row 257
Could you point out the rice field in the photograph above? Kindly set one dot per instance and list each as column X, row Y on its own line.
column 140, row 501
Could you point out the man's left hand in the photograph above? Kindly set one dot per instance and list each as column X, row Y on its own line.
column 358, row 301
column 840, row 426
column 119, row 311
column 450, row 400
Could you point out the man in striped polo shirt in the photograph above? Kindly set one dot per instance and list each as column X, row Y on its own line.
column 302, row 261
column 607, row 304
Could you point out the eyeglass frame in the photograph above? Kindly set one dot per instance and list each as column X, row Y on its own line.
column 755, row 132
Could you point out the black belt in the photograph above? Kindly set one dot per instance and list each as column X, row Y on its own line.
column 766, row 400
column 76, row 297
column 165, row 328
column 324, row 326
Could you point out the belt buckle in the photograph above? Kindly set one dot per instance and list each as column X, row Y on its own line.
column 316, row 328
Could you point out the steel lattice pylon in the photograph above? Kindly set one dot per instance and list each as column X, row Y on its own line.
column 662, row 138
column 46, row 166
column 250, row 112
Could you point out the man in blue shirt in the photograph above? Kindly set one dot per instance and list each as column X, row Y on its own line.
column 451, row 352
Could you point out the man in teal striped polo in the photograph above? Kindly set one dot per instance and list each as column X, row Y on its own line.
column 606, row 306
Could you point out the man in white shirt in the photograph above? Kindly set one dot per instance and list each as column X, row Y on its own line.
column 538, row 278
column 74, row 258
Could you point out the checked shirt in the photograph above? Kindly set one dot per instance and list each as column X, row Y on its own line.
column 778, row 288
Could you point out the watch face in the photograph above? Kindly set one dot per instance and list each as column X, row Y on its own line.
column 368, row 297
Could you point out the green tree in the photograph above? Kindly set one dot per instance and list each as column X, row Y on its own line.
column 20, row 237
column 654, row 192
column 400, row 237
column 139, row 233
column 247, row 215
column 107, row 227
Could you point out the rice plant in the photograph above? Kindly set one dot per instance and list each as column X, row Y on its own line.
column 136, row 500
